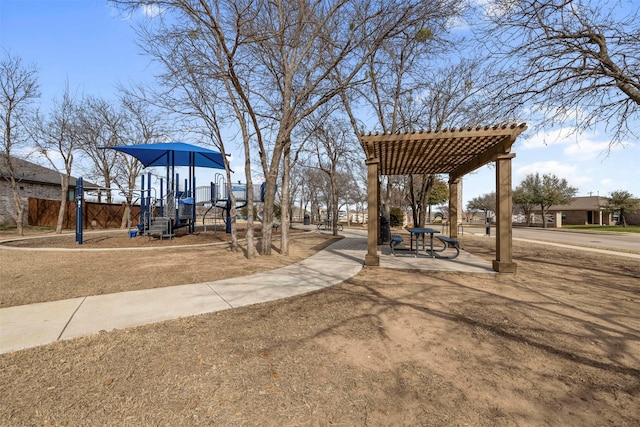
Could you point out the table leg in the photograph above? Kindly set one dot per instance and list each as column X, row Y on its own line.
column 431, row 244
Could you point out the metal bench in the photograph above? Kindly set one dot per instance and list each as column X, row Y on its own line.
column 448, row 242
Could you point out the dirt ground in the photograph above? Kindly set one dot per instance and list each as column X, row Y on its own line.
column 139, row 263
column 558, row 343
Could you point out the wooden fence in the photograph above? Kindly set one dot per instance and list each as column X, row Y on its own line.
column 44, row 213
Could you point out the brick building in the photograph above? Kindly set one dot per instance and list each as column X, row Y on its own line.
column 34, row 181
column 589, row 210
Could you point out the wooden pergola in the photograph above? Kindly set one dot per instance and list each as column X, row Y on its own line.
column 455, row 152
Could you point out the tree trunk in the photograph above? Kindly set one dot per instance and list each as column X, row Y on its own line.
column 412, row 202
column 267, row 213
column 334, row 203
column 107, row 182
column 425, row 192
column 284, row 204
column 386, row 203
column 63, row 203
column 251, row 249
column 271, row 179
column 126, row 215
column 283, row 142
column 19, row 203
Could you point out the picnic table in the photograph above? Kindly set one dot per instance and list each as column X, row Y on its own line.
column 422, row 232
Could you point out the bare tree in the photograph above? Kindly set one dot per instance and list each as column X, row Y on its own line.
column 19, row 85
column 575, row 61
column 58, row 140
column 313, row 186
column 140, row 124
column 452, row 95
column 100, row 124
column 396, row 84
column 283, row 60
column 333, row 144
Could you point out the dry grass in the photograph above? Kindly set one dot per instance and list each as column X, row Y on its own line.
column 556, row 344
column 39, row 275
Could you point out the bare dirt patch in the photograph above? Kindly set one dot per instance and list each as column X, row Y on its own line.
column 556, row 344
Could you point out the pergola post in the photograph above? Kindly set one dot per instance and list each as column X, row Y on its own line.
column 373, row 201
column 379, row 211
column 504, row 234
column 454, row 188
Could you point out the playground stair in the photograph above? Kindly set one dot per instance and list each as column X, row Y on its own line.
column 160, row 226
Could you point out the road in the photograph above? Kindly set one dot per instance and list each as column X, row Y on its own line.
column 611, row 241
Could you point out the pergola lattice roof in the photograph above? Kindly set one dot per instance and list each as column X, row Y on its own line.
column 454, row 151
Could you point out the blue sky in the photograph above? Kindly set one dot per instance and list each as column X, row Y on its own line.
column 90, row 45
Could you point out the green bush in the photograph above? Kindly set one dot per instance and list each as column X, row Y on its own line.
column 396, row 217
column 244, row 211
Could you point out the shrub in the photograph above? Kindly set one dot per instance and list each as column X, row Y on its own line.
column 396, row 217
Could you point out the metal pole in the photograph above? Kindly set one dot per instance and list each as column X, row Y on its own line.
column 161, row 199
column 149, row 197
column 142, row 206
column 488, row 230
column 79, row 196
column 177, row 198
column 193, row 207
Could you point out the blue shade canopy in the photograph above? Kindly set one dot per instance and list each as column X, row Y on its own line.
column 173, row 154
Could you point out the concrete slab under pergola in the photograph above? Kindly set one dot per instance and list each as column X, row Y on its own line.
column 455, row 152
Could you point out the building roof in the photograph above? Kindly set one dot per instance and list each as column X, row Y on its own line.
column 452, row 151
column 587, row 203
column 33, row 173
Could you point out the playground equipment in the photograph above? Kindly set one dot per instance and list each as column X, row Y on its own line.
column 162, row 215
column 175, row 206
column 217, row 199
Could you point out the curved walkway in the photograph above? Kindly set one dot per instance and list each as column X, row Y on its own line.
column 32, row 325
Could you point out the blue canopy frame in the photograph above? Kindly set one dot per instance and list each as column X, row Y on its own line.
column 172, row 154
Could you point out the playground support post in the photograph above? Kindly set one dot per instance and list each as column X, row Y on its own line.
column 161, row 199
column 79, row 197
column 192, row 226
column 176, row 197
column 142, row 217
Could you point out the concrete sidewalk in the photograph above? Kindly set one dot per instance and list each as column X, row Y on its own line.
column 38, row 324
column 32, row 325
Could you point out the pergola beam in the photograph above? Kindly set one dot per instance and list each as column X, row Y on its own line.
column 487, row 156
